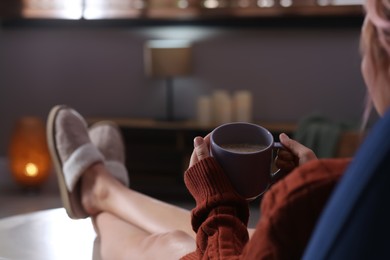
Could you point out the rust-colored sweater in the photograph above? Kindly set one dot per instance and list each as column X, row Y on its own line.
column 289, row 211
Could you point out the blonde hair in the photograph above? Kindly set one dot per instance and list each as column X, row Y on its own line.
column 376, row 33
column 375, row 42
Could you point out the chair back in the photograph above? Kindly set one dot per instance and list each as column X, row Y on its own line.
column 355, row 223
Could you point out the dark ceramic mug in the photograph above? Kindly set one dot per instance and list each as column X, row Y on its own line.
column 245, row 153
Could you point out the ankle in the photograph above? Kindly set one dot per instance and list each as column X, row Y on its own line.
column 94, row 190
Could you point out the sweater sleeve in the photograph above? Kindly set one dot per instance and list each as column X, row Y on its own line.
column 290, row 209
column 289, row 212
column 220, row 216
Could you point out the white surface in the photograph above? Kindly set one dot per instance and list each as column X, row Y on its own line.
column 47, row 235
column 14, row 200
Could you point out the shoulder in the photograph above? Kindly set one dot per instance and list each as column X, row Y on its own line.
column 314, row 180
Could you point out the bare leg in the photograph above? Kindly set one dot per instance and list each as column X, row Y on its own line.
column 121, row 240
column 103, row 193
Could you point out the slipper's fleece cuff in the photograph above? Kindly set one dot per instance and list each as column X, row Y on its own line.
column 206, row 179
column 82, row 158
column 119, row 171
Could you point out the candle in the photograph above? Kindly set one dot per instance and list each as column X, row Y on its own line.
column 204, row 110
column 242, row 101
column 222, row 106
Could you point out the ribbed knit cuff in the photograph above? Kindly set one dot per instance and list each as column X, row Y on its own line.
column 206, row 179
column 213, row 193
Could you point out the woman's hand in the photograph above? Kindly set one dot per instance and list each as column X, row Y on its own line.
column 294, row 155
column 201, row 149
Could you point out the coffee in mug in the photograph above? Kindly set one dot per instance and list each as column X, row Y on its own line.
column 243, row 148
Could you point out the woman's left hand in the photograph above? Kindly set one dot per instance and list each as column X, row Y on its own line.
column 201, row 149
column 294, row 154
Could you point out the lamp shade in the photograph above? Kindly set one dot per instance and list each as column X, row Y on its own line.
column 167, row 58
column 29, row 157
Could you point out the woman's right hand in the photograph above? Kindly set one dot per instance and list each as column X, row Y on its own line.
column 201, row 149
column 294, row 154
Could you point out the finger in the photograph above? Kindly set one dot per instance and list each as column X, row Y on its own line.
column 201, row 148
column 194, row 157
column 302, row 152
column 292, row 145
column 285, row 159
column 285, row 155
column 286, row 166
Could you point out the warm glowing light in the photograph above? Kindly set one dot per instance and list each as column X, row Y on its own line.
column 182, row 4
column 31, row 170
column 265, row 3
column 72, row 9
column 138, row 4
column 189, row 33
column 211, row 4
column 29, row 158
column 323, row 2
column 286, row 3
column 168, row 44
column 347, row 2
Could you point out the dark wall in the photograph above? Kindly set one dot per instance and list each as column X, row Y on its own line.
column 291, row 71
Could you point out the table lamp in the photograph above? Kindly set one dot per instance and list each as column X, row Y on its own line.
column 29, row 157
column 168, row 59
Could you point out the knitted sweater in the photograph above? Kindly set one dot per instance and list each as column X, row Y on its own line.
column 289, row 211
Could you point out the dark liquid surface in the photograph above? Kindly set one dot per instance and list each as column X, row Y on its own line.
column 243, row 148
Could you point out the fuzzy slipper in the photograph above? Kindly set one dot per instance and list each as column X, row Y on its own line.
column 72, row 153
column 106, row 136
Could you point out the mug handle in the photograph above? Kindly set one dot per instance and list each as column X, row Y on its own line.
column 279, row 174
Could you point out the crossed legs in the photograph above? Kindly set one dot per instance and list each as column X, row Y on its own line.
column 103, row 193
column 121, row 240
column 93, row 182
column 132, row 224
column 91, row 176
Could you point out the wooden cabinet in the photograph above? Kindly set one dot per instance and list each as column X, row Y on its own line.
column 158, row 152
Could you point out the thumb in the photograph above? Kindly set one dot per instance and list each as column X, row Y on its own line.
column 201, row 148
column 299, row 150
column 292, row 145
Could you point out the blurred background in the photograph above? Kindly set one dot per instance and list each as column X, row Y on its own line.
column 290, row 59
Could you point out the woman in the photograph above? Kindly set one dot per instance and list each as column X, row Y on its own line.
column 91, row 176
